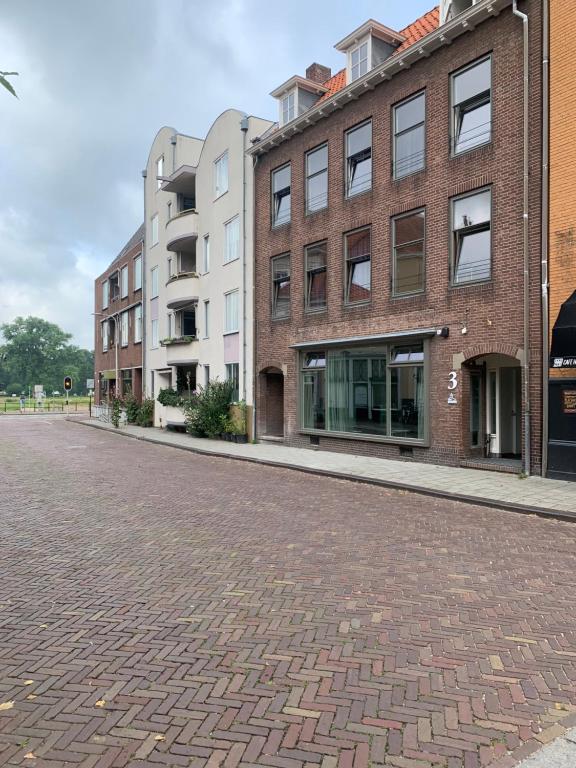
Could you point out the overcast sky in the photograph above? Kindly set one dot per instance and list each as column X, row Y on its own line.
column 97, row 80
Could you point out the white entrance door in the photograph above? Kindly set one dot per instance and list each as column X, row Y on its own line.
column 503, row 409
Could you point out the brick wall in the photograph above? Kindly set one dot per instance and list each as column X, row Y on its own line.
column 491, row 312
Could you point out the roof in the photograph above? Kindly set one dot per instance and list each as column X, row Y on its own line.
column 427, row 23
column 370, row 27
column 137, row 237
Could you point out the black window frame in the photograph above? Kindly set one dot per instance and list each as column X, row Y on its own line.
column 356, row 260
column 396, row 134
column 311, row 273
column 463, row 108
column 457, row 236
column 307, row 176
column 395, row 292
column 353, row 160
column 276, row 197
column 275, row 283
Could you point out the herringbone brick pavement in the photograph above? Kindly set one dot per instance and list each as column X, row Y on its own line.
column 159, row 608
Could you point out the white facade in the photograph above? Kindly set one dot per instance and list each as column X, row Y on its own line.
column 199, row 245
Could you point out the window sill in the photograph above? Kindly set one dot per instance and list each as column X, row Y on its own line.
column 455, row 155
column 221, row 195
column 136, row 290
column 281, row 319
column 413, row 295
column 471, row 284
column 318, row 311
column 400, row 179
column 309, row 214
column 277, row 227
column 368, row 438
column 230, row 333
column 350, row 198
column 357, row 304
column 231, row 261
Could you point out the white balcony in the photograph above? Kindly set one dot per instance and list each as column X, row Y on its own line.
column 182, row 290
column 181, row 351
column 182, row 231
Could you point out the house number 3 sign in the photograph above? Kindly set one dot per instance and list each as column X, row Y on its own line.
column 452, row 385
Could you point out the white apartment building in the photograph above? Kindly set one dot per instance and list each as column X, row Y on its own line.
column 198, row 264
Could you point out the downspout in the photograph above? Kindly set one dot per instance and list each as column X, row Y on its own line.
column 244, row 129
column 144, row 309
column 525, row 206
column 545, row 227
column 254, row 315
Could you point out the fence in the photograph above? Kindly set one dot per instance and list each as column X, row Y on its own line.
column 13, row 406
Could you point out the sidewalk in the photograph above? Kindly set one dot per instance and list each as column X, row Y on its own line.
column 561, row 753
column 534, row 494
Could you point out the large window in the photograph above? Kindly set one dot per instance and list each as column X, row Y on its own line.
column 137, row 323
column 206, row 265
column 281, row 181
column 315, row 260
column 124, row 329
column 359, row 159
column 221, row 175
column 206, row 318
column 138, row 273
column 317, row 179
column 105, row 294
column 154, row 228
column 105, row 336
column 359, row 61
column 233, row 375
column 126, row 380
column 408, row 270
column 154, row 329
column 124, row 281
column 281, row 286
column 376, row 390
column 357, row 269
column 154, row 283
column 288, row 108
column 409, row 136
column 159, row 171
column 232, row 240
column 471, row 239
column 231, row 312
column 471, row 106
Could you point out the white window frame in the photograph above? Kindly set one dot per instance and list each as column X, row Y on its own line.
column 137, row 323
column 206, row 254
column 154, row 335
column 138, row 273
column 154, row 282
column 124, row 329
column 105, row 294
column 159, row 171
column 231, row 322
column 124, row 282
column 221, row 183
column 288, row 111
column 367, row 41
column 207, row 318
column 232, row 245
column 154, row 230
column 105, row 336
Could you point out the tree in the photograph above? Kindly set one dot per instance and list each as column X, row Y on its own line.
column 6, row 83
column 38, row 352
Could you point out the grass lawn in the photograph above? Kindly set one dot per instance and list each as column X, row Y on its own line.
column 51, row 404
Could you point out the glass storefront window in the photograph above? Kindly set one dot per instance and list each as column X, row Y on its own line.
column 374, row 390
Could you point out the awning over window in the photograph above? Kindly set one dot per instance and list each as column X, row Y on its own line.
column 563, row 351
column 109, row 375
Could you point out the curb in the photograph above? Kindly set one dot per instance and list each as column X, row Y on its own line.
column 509, row 506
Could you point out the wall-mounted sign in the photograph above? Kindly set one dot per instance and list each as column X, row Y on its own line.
column 451, row 399
column 569, row 401
column 563, row 362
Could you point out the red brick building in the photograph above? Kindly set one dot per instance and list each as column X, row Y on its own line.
column 391, row 256
column 118, row 324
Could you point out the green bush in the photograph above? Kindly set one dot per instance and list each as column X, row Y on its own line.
column 146, row 413
column 132, row 410
column 116, row 412
column 169, row 396
column 207, row 409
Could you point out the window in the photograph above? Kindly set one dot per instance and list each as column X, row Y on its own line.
column 114, row 286
column 408, row 272
column 187, row 322
column 231, row 312
column 159, row 170
column 138, row 273
column 221, row 175
column 154, row 328
column 281, row 196
column 359, row 61
column 233, row 375
column 206, row 264
column 206, row 375
column 288, row 108
column 359, row 159
column 105, row 336
column 124, row 329
column 124, row 281
column 126, row 382
column 317, row 179
column 471, row 106
column 376, row 390
column 105, row 294
column 170, row 266
column 154, row 283
column 471, row 247
column 168, row 210
column 315, row 260
column 409, row 136
column 281, row 286
column 206, row 319
column 232, row 240
column 154, row 225
column 357, row 255
column 137, row 323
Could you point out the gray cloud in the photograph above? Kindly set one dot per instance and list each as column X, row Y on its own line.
column 97, row 81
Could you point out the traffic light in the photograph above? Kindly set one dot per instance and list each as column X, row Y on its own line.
column 67, row 383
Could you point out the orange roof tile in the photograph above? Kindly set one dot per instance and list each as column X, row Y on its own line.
column 413, row 32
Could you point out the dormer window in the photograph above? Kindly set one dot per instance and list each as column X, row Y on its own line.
column 288, row 107
column 359, row 61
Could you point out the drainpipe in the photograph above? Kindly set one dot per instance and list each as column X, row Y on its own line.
column 144, row 311
column 545, row 227
column 526, row 364
column 254, row 316
column 244, row 129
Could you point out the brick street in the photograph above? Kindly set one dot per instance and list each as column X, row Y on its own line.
column 163, row 608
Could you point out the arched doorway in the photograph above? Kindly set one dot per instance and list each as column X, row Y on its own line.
column 495, row 408
column 271, row 404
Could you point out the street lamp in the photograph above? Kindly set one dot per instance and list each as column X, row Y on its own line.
column 113, row 317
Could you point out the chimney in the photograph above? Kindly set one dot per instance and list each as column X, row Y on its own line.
column 318, row 73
